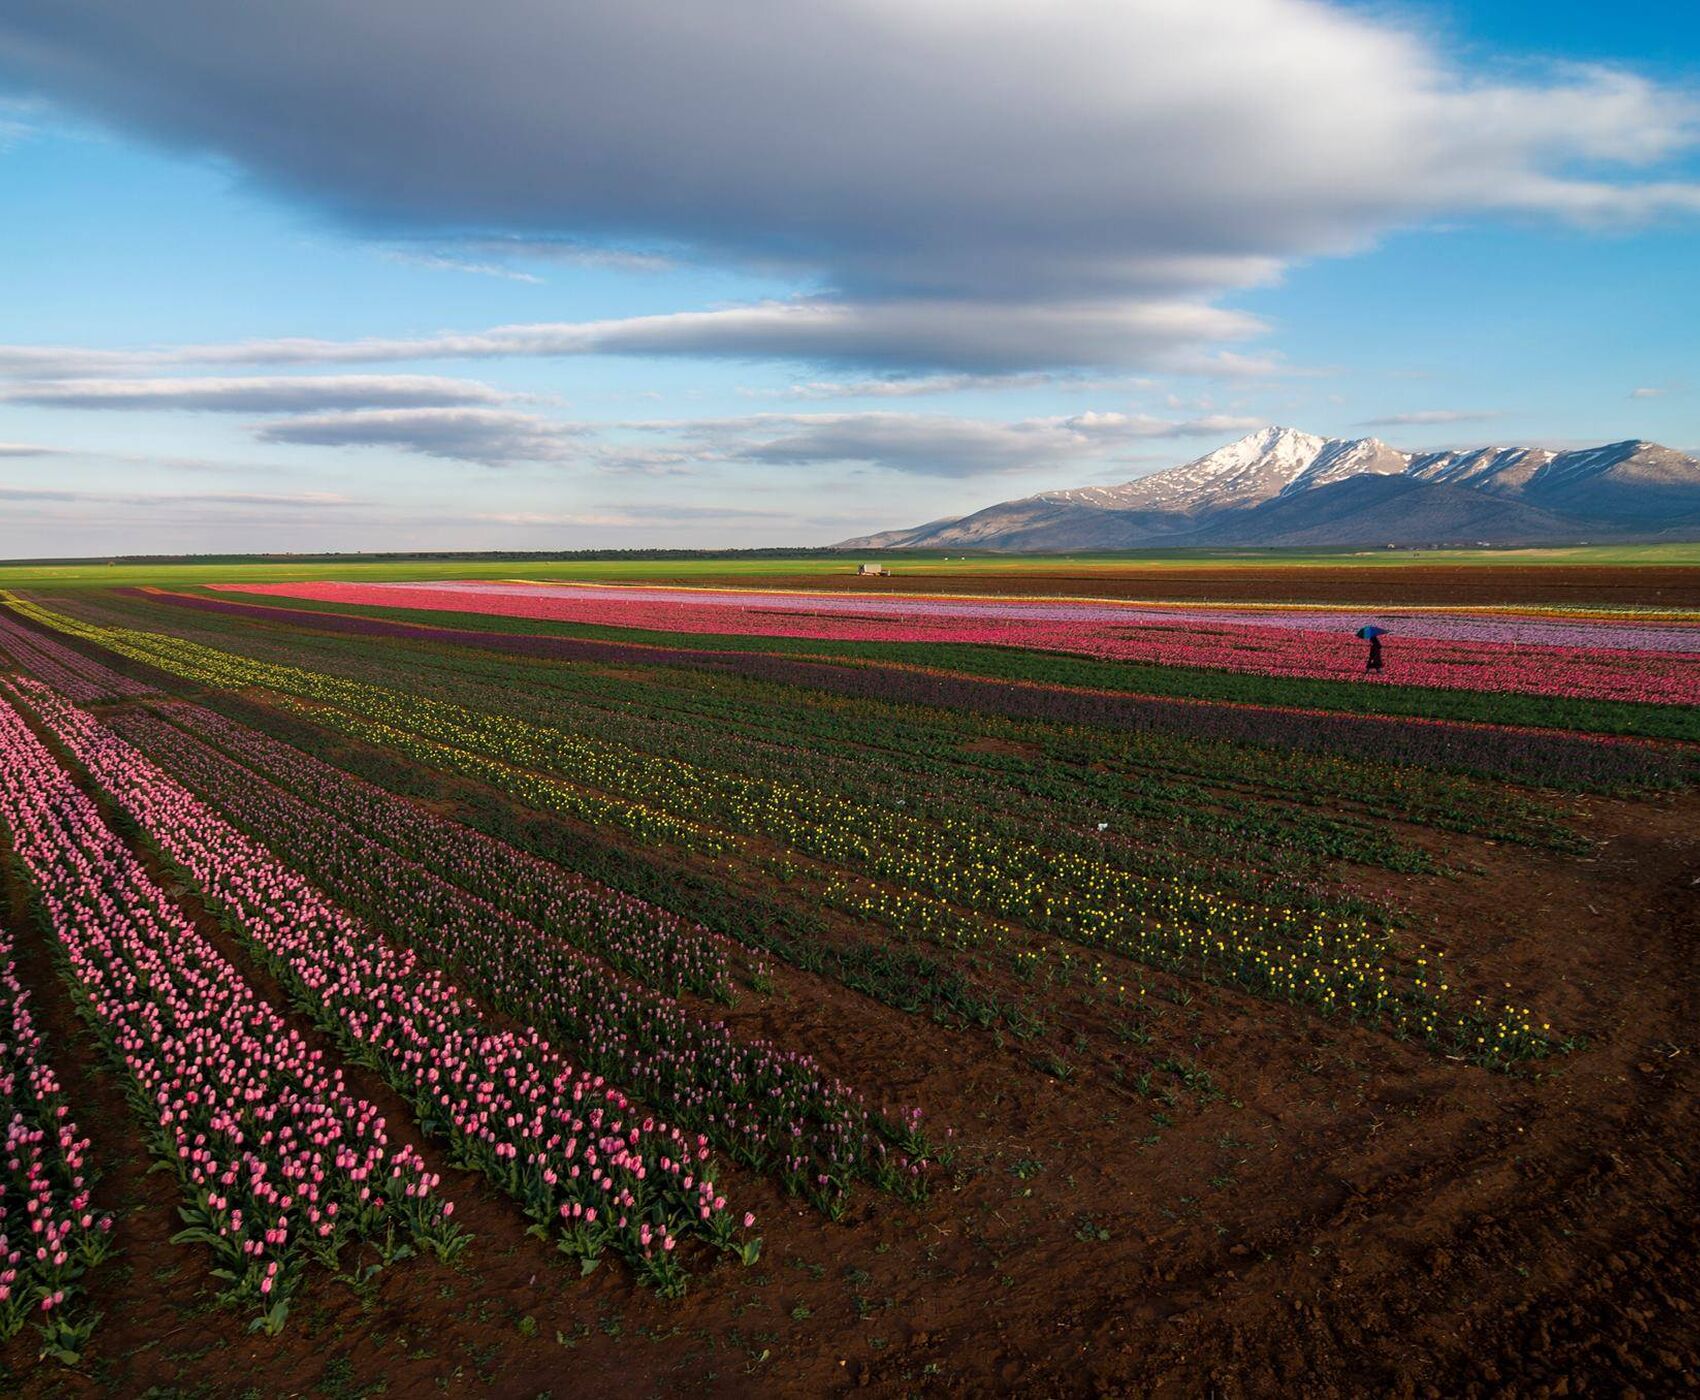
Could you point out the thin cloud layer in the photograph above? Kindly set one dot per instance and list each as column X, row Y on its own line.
column 305, row 500
column 279, row 394
column 941, row 445
column 492, row 437
column 937, row 445
column 982, row 337
column 998, row 186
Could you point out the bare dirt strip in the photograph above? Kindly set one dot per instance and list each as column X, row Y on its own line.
column 1575, row 585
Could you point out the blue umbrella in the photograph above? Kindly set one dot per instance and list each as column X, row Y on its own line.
column 1369, row 634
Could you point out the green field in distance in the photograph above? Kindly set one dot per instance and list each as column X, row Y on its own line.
column 101, row 573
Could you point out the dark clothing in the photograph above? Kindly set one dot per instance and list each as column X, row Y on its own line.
column 1374, row 662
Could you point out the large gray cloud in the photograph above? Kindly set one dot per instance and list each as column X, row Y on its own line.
column 259, row 394
column 1002, row 184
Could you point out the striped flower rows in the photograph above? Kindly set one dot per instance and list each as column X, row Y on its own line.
column 278, row 1162
column 69, row 672
column 566, row 1145
column 1170, row 920
column 1180, row 924
column 650, row 944
column 774, row 1110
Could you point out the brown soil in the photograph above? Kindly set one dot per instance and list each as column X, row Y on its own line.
column 1350, row 1216
column 1576, row 585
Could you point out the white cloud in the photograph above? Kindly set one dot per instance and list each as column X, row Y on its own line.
column 272, row 394
column 904, row 386
column 1648, row 393
column 27, row 449
column 997, row 186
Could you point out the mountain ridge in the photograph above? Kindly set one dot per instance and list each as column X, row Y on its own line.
column 1279, row 485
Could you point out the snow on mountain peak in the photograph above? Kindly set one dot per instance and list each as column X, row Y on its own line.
column 1273, row 444
column 1256, row 467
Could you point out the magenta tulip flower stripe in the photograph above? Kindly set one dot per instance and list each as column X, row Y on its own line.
column 51, row 1229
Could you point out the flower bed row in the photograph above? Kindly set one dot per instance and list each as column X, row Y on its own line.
column 50, row 1230
column 279, row 1164
column 1503, row 625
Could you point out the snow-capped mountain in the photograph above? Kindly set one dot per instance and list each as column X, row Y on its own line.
column 1282, row 486
column 1260, row 465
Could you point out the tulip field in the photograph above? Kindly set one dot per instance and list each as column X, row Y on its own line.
column 1589, row 658
column 495, row 986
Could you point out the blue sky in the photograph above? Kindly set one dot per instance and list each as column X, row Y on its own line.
column 624, row 276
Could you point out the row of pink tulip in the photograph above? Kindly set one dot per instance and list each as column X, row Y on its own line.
column 1264, row 648
column 69, row 672
column 651, row 944
column 50, row 1230
column 772, row 1109
column 565, row 1144
column 278, row 1161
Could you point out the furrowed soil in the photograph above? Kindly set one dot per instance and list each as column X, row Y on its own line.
column 1576, row 585
column 1334, row 1214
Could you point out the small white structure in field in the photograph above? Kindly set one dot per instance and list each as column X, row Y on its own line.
column 872, row 571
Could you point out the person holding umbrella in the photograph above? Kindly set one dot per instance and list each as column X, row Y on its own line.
column 1373, row 636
